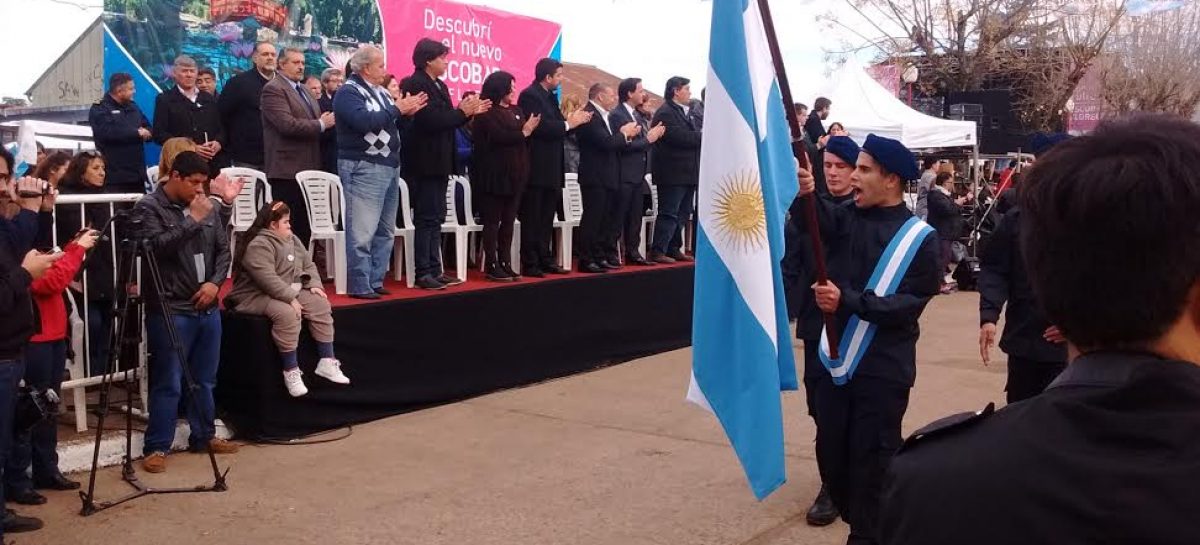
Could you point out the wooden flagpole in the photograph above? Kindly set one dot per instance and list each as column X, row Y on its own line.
column 810, row 203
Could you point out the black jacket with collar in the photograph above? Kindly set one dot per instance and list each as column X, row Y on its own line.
column 633, row 156
column 1107, row 454
column 115, row 128
column 428, row 148
column 547, row 160
column 1003, row 280
column 18, row 314
column 598, row 147
column 241, row 115
column 176, row 115
column 181, row 245
column 677, row 153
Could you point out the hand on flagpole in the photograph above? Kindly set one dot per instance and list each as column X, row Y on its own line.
column 808, row 184
column 828, row 297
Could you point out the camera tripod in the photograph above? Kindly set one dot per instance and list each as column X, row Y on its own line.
column 127, row 316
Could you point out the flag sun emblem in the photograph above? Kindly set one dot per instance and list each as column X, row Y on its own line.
column 738, row 210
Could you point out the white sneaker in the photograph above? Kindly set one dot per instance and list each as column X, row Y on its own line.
column 295, row 384
column 332, row 370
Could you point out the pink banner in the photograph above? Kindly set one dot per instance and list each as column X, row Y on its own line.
column 888, row 75
column 481, row 40
column 1088, row 100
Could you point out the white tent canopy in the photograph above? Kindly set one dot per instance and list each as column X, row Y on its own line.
column 52, row 136
column 864, row 106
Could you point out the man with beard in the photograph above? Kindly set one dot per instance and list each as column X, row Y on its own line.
column 241, row 111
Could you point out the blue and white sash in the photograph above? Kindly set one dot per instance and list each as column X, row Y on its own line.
column 889, row 271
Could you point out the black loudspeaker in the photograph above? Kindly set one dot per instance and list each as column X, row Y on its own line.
column 966, row 274
column 999, row 128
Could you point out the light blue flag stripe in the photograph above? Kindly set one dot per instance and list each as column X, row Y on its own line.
column 737, row 367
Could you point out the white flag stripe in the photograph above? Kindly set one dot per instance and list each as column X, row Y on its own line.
column 733, row 152
column 696, row 395
column 762, row 72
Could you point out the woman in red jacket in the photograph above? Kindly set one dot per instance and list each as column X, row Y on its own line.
column 45, row 361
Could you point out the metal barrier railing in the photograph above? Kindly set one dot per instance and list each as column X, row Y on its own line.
column 80, row 366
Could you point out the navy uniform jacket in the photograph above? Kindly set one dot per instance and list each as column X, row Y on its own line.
column 1002, row 279
column 1107, row 454
column 855, row 239
column 115, row 131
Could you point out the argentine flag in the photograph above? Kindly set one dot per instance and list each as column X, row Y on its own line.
column 742, row 349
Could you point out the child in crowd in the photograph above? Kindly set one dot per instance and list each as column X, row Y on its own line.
column 45, row 361
column 274, row 276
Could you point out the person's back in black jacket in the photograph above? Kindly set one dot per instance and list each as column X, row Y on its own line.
column 115, row 131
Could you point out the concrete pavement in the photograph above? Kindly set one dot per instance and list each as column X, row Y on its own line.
column 614, row 456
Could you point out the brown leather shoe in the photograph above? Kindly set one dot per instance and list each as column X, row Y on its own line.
column 221, row 446
column 155, row 462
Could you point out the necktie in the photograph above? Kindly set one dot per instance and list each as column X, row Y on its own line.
column 304, row 98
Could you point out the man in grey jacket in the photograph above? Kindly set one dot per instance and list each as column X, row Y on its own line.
column 187, row 236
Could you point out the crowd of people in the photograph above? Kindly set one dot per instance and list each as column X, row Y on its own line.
column 368, row 127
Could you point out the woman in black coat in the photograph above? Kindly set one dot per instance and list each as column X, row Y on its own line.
column 86, row 176
column 499, row 170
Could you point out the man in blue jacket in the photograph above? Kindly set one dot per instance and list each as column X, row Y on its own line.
column 120, row 130
column 368, row 140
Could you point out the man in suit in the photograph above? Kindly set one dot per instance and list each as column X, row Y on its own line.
column 120, row 131
column 547, row 165
column 429, row 157
column 186, row 111
column 331, row 81
column 813, row 127
column 241, row 113
column 292, row 128
column 676, row 171
column 627, row 208
column 599, row 171
column 1107, row 454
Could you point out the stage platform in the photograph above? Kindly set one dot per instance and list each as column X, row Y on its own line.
column 416, row 349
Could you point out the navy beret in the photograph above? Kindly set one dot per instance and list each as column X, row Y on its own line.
column 893, row 156
column 844, row 148
column 1042, row 142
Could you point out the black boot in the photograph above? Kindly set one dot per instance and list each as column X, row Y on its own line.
column 507, row 267
column 822, row 512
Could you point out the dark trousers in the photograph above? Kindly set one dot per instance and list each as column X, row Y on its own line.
column 858, row 432
column 538, row 205
column 429, row 213
column 1028, row 378
column 627, row 209
column 44, row 366
column 593, row 224
column 499, row 212
column 674, row 209
column 11, row 372
column 289, row 192
column 811, row 377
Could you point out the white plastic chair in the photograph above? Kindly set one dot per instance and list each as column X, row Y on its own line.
column 649, row 218
column 404, row 254
column 572, row 205
column 152, row 179
column 247, row 203
column 326, row 208
column 450, row 226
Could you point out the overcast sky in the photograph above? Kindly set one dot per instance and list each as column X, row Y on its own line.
column 651, row 39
